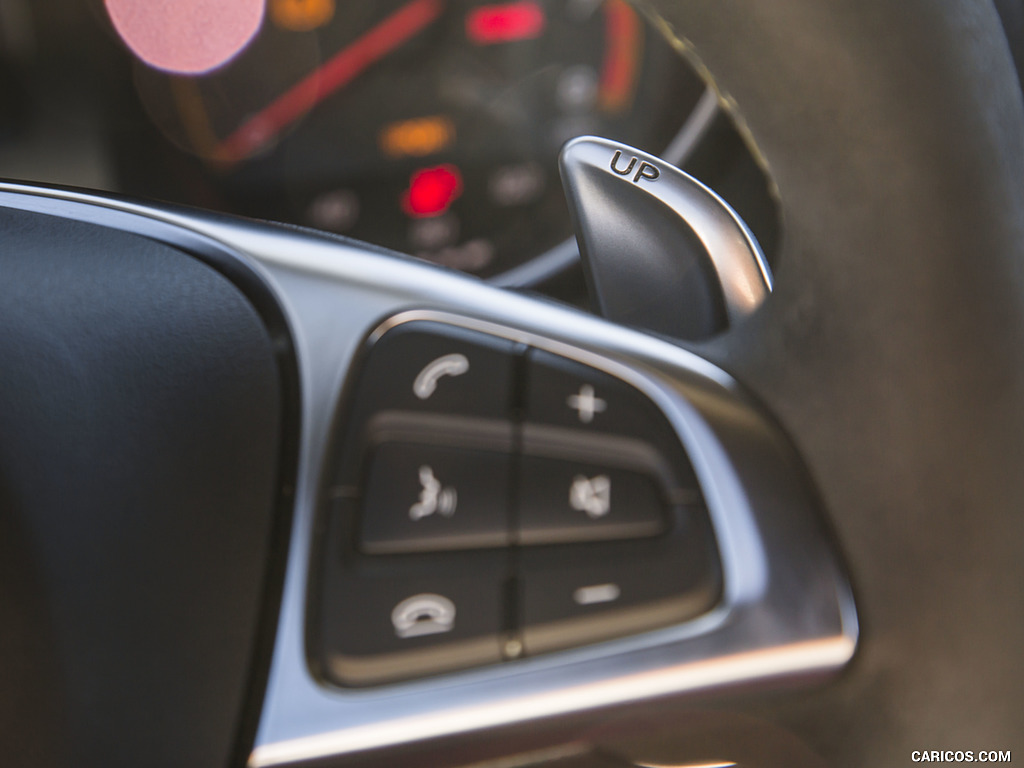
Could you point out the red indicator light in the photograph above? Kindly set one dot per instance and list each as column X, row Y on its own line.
column 432, row 190
column 505, row 23
column 622, row 51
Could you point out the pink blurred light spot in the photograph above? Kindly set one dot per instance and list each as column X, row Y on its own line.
column 186, row 37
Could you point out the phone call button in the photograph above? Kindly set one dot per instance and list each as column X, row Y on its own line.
column 423, row 614
column 429, row 367
column 420, row 615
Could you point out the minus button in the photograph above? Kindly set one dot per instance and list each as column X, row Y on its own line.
column 598, row 593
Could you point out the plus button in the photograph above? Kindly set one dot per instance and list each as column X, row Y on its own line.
column 586, row 404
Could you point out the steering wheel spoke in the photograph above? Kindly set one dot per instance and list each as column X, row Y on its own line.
column 775, row 604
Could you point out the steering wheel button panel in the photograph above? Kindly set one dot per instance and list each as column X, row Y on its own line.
column 427, row 497
column 517, row 501
column 575, row 501
column 548, row 463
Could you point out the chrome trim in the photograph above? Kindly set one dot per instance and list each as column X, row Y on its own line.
column 787, row 610
column 694, row 129
column 565, row 254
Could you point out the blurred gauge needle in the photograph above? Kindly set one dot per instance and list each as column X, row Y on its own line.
column 334, row 74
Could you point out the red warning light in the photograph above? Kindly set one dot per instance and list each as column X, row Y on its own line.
column 489, row 24
column 432, row 190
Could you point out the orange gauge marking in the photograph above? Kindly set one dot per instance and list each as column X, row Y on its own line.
column 418, row 137
column 623, row 44
column 301, row 15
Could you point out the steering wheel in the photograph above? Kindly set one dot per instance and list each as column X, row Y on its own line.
column 174, row 381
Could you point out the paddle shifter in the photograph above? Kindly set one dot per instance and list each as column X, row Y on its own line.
column 660, row 250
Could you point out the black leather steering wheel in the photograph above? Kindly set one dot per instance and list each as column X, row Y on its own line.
column 891, row 354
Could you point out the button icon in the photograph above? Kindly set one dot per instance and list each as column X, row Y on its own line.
column 425, row 614
column 446, row 365
column 433, row 498
column 592, row 495
column 597, row 593
column 586, row 404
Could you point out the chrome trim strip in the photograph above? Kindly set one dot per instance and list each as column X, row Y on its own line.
column 694, row 129
column 787, row 610
column 796, row 659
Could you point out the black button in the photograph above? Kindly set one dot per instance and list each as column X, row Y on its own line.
column 425, row 615
column 574, row 595
column 564, row 501
column 425, row 366
column 570, row 394
column 565, row 393
column 422, row 497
